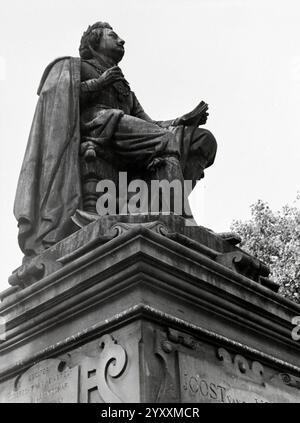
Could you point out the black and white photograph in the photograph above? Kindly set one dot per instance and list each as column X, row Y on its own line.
column 150, row 205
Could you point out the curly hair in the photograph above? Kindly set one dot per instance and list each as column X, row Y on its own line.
column 91, row 38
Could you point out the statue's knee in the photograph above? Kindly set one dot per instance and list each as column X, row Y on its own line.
column 203, row 137
column 209, row 139
column 204, row 145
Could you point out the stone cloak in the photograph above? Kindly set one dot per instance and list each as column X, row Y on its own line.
column 49, row 188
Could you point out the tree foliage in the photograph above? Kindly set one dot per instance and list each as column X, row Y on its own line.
column 274, row 238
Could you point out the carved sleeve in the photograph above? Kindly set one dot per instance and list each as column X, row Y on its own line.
column 91, row 85
column 89, row 81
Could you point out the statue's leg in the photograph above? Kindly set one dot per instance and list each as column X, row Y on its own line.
column 134, row 145
column 150, row 153
column 137, row 142
column 165, row 179
column 197, row 149
column 154, row 151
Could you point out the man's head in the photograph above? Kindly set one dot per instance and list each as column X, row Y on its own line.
column 101, row 38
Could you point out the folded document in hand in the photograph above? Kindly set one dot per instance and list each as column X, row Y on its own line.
column 196, row 113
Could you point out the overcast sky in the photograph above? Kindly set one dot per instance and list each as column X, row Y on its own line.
column 240, row 56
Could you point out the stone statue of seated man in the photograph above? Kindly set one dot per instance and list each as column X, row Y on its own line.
column 87, row 109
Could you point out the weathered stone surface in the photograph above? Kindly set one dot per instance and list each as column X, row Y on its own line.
column 152, row 362
column 98, row 371
column 138, row 307
column 235, row 382
column 149, row 295
column 88, row 127
column 197, row 371
column 48, row 381
column 96, row 231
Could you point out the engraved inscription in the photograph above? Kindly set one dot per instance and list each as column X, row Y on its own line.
column 206, row 381
column 208, row 391
column 47, row 381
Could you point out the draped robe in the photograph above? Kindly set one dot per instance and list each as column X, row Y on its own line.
column 49, row 186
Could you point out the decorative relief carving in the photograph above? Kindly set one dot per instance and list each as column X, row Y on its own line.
column 58, row 380
column 27, row 274
column 168, row 388
column 181, row 338
column 97, row 372
column 290, row 380
column 112, row 363
column 236, row 365
column 243, row 263
column 232, row 237
column 239, row 366
column 33, row 270
column 155, row 226
column 166, row 347
column 83, row 218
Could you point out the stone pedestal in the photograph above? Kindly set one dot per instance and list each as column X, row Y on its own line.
column 147, row 309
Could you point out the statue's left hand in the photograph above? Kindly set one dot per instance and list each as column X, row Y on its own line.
column 191, row 122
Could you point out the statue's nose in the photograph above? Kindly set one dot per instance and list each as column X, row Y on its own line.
column 122, row 42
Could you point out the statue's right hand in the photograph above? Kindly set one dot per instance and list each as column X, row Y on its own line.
column 110, row 76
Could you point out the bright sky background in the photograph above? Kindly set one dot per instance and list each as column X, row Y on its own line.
column 240, row 56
